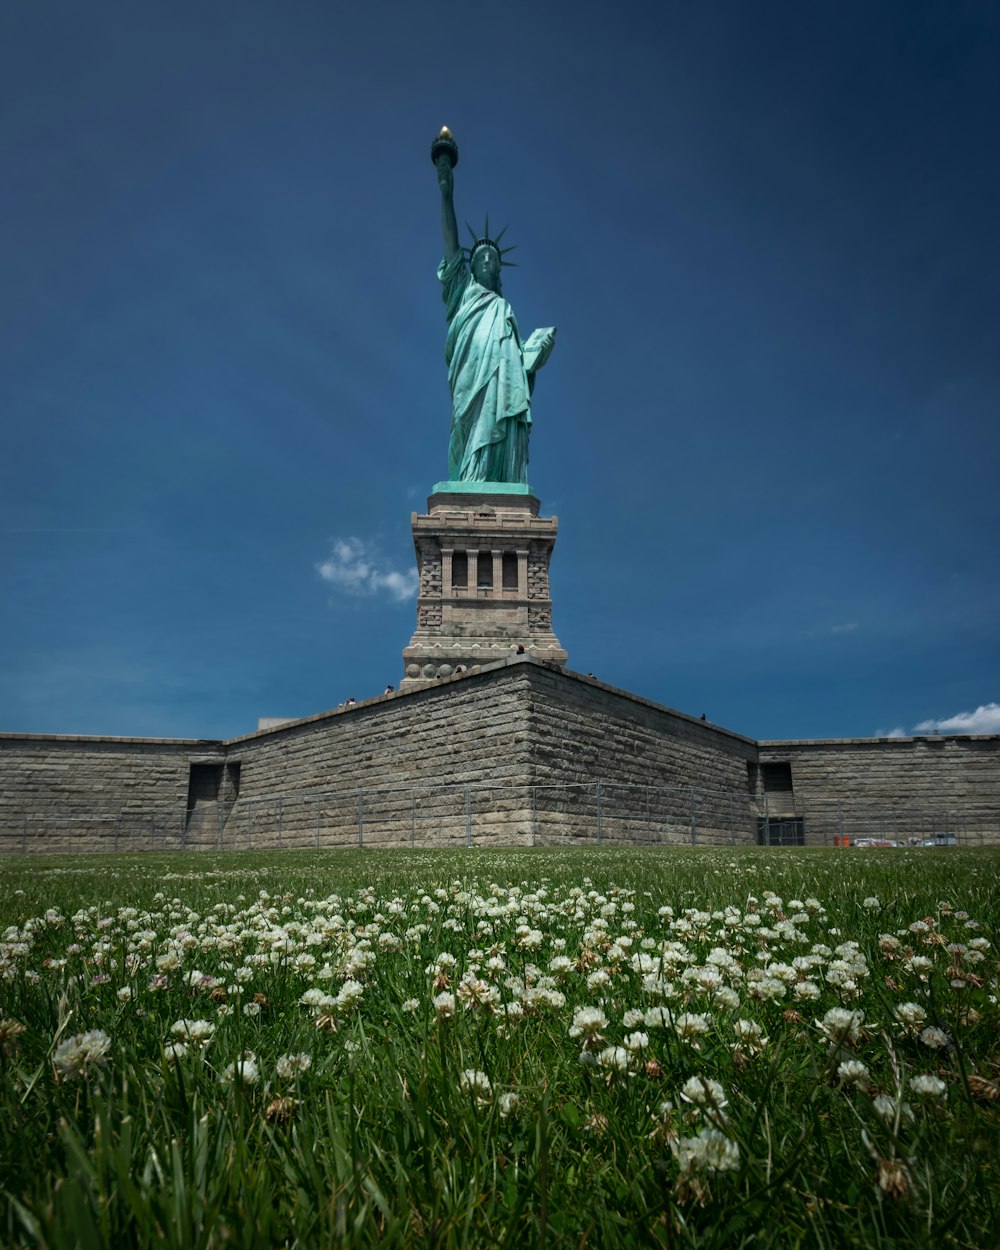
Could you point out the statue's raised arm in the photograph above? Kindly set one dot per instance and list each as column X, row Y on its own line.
column 491, row 373
column 445, row 156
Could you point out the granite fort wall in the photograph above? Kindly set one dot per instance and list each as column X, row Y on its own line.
column 896, row 788
column 515, row 752
column 65, row 793
column 447, row 763
column 441, row 764
column 664, row 776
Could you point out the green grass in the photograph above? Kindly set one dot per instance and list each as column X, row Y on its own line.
column 582, row 1132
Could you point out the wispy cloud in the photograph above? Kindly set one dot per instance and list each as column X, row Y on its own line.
column 358, row 568
column 984, row 720
column 846, row 628
column 898, row 732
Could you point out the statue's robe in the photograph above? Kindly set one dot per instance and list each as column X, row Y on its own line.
column 490, row 397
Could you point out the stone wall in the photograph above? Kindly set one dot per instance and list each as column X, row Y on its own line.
column 665, row 777
column 63, row 793
column 896, row 788
column 393, row 770
column 515, row 752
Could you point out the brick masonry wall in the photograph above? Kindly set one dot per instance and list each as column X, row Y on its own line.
column 899, row 787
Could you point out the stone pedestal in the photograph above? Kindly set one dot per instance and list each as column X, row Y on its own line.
column 483, row 557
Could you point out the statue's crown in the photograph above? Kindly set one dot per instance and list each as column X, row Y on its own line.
column 484, row 240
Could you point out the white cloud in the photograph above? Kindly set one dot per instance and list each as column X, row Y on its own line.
column 358, row 568
column 984, row 720
column 898, row 732
column 846, row 628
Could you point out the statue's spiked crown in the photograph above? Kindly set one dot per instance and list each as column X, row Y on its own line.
column 484, row 240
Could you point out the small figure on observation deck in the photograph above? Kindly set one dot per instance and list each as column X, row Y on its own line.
column 491, row 372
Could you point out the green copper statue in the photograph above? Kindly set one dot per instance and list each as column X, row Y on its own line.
column 490, row 371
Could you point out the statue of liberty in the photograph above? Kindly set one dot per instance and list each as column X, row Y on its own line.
column 491, row 373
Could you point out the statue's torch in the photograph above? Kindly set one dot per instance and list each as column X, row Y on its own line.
column 445, row 145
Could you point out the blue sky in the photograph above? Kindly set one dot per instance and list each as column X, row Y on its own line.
column 766, row 232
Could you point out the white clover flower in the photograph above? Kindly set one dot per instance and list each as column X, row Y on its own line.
column 934, row 1037
column 614, row 1058
column 710, row 1151
column 198, row 1032
column 702, row 1091
column 840, row 1025
column 474, row 1082
column 318, row 999
column 82, row 1051
column 588, row 1022
column 173, row 1052
column 290, row 1066
column 541, row 996
column 912, row 1015
column 350, row 994
column 598, row 979
column 444, row 1005
column 125, row 994
column 243, row 1072
column 507, row 1103
column 632, row 1017
column 920, row 964
column 927, row 1087
column 637, row 1041
column 411, row 1004
column 852, row 1072
column 690, row 1025
column 807, row 991
column 767, row 989
column 872, row 904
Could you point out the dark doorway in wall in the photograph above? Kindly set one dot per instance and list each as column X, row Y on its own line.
column 204, row 784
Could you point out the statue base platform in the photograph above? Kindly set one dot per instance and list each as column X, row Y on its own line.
column 482, row 488
column 483, row 556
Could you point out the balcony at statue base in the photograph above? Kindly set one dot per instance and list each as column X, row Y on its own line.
column 483, row 556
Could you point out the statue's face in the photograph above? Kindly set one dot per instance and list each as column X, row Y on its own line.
column 486, row 268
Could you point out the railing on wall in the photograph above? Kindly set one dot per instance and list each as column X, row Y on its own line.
column 477, row 814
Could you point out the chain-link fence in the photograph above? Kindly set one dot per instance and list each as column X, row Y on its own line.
column 478, row 814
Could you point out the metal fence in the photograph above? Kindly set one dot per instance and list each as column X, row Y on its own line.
column 477, row 814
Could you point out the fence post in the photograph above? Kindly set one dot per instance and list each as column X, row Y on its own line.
column 694, row 819
column 468, row 815
column 599, row 813
column 361, row 818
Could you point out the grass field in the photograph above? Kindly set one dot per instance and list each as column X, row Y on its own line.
column 467, row 1048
